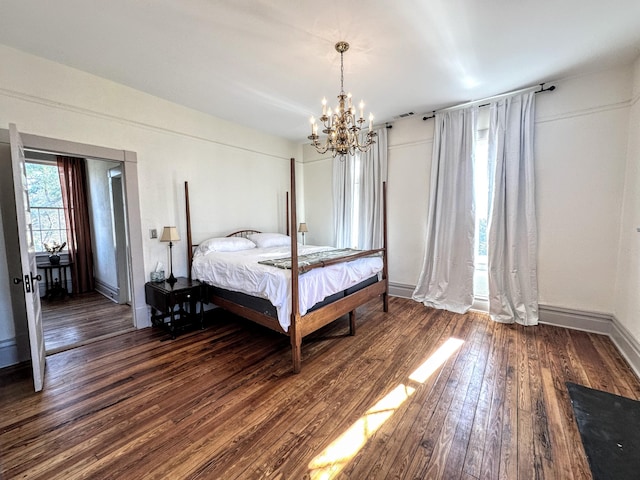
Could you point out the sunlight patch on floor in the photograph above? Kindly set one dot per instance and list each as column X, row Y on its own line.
column 329, row 463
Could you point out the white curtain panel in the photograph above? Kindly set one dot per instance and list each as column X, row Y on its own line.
column 446, row 280
column 373, row 171
column 343, row 200
column 512, row 233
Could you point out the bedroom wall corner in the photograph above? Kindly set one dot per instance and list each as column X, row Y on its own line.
column 318, row 196
column 627, row 301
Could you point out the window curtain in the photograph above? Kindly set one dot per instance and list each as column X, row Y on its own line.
column 343, row 171
column 446, row 280
column 512, row 231
column 373, row 172
column 358, row 178
column 73, row 182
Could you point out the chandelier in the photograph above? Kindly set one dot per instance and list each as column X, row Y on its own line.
column 342, row 127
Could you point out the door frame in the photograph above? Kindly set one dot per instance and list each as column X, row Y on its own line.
column 119, row 227
column 129, row 161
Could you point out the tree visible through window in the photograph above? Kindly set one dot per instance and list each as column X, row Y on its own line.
column 45, row 200
column 481, row 188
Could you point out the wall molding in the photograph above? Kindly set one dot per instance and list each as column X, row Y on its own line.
column 25, row 97
column 586, row 111
column 410, row 144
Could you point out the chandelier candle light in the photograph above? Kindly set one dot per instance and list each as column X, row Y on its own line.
column 342, row 127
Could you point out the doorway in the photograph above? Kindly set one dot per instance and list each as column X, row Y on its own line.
column 17, row 348
column 75, row 312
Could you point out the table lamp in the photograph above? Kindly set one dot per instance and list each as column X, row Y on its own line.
column 170, row 234
column 303, row 229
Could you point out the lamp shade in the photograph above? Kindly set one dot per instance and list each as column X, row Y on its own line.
column 170, row 234
column 303, row 228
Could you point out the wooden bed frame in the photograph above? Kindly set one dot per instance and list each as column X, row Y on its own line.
column 303, row 325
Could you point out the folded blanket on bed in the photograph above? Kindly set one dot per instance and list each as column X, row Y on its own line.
column 314, row 259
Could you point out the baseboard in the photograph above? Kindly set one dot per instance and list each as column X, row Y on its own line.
column 10, row 354
column 627, row 344
column 142, row 316
column 401, row 290
column 404, row 290
column 109, row 291
column 595, row 322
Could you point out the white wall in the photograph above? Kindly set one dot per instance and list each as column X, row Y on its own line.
column 237, row 176
column 627, row 301
column 318, row 197
column 100, row 211
column 581, row 143
column 580, row 160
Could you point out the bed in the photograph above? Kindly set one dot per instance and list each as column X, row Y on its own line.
column 290, row 288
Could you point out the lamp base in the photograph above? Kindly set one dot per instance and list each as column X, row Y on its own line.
column 171, row 280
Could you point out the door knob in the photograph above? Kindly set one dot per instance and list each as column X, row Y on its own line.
column 34, row 277
column 17, row 280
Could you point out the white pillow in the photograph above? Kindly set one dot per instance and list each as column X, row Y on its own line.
column 223, row 244
column 266, row 240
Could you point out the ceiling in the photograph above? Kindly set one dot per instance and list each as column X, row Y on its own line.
column 267, row 64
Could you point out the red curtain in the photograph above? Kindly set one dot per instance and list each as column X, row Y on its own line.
column 73, row 181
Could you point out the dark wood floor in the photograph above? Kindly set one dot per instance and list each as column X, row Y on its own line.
column 82, row 318
column 416, row 394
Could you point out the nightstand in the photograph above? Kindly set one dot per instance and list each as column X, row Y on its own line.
column 169, row 304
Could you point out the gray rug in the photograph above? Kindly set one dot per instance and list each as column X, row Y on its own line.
column 610, row 430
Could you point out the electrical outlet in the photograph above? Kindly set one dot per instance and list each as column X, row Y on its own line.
column 153, row 233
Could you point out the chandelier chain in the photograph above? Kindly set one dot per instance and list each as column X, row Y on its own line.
column 342, row 73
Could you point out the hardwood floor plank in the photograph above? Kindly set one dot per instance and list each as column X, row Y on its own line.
column 81, row 318
column 541, row 448
column 475, row 453
column 454, row 417
column 223, row 403
column 509, row 434
column 490, row 467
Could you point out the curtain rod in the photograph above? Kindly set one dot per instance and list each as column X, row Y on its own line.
column 486, row 99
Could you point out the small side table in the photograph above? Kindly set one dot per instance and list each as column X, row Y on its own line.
column 164, row 297
column 55, row 286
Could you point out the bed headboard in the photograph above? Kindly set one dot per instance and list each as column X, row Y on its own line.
column 243, row 233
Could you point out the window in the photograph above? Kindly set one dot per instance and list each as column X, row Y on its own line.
column 481, row 194
column 356, row 173
column 45, row 200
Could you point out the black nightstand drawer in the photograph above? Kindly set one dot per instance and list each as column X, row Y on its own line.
column 181, row 297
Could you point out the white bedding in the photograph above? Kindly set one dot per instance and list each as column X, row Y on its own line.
column 240, row 271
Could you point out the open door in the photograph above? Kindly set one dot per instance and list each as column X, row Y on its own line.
column 119, row 221
column 29, row 279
